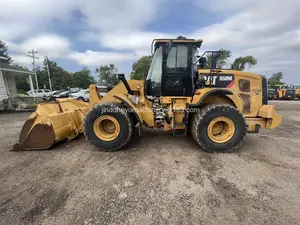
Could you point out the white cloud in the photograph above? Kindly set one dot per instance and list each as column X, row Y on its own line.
column 266, row 29
column 133, row 40
column 28, row 21
column 119, row 14
column 93, row 58
column 51, row 45
column 21, row 18
column 23, row 60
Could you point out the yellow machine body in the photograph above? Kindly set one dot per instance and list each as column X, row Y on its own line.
column 52, row 122
column 248, row 100
column 240, row 95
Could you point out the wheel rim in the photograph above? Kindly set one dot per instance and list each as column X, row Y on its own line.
column 106, row 128
column 221, row 129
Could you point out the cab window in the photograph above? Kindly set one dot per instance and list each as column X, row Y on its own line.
column 177, row 60
column 155, row 71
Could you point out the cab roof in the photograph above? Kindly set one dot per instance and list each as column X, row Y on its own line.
column 158, row 42
column 196, row 42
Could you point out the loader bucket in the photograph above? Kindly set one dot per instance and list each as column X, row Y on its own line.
column 52, row 122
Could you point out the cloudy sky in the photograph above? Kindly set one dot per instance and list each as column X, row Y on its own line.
column 78, row 33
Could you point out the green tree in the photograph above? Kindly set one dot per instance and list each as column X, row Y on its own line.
column 181, row 37
column 4, row 53
column 60, row 78
column 21, row 80
column 241, row 62
column 107, row 75
column 275, row 79
column 42, row 77
column 140, row 68
column 83, row 78
column 67, row 79
column 222, row 60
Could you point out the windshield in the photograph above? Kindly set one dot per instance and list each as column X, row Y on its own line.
column 155, row 71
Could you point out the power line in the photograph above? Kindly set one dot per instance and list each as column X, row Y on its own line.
column 33, row 56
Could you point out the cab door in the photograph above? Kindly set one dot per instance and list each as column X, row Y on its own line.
column 177, row 78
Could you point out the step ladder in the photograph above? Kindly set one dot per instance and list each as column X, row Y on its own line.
column 184, row 123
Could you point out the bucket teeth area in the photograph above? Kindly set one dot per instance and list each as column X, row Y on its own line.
column 41, row 136
column 52, row 122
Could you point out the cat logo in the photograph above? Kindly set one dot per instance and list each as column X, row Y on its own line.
column 210, row 80
column 219, row 80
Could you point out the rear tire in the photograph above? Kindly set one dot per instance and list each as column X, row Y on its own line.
column 218, row 128
column 119, row 115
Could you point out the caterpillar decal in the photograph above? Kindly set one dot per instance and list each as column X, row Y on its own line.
column 223, row 81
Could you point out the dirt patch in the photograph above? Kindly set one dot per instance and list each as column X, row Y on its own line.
column 48, row 202
column 159, row 179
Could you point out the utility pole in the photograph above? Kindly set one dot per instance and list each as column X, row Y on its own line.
column 48, row 71
column 33, row 63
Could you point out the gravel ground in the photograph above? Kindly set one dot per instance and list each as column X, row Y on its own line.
column 159, row 179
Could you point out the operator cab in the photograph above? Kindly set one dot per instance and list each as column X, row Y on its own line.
column 172, row 69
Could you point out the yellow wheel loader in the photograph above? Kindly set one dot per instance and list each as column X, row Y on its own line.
column 284, row 92
column 216, row 107
column 297, row 91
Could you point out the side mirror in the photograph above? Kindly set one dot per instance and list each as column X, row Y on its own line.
column 202, row 62
column 121, row 76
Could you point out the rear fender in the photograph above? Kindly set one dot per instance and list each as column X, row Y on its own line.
column 202, row 94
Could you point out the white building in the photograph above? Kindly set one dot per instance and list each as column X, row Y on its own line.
column 8, row 87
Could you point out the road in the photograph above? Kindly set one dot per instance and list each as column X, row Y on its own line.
column 159, row 179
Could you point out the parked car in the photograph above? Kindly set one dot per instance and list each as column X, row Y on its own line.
column 272, row 94
column 75, row 89
column 63, row 94
column 40, row 93
column 82, row 95
column 56, row 92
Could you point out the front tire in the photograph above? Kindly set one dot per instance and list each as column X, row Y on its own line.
column 80, row 99
column 218, row 128
column 108, row 126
